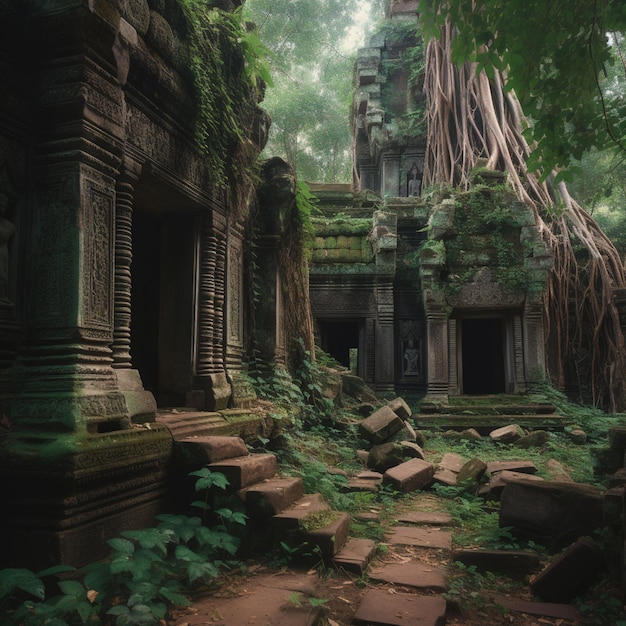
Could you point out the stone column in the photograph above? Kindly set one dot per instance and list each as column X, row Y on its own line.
column 453, row 369
column 438, row 353
column 140, row 404
column 210, row 375
column 384, row 346
column 534, row 355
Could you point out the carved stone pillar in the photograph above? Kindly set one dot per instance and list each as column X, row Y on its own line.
column 438, row 353
column 534, row 355
column 384, row 345
column 453, row 367
column 210, row 375
column 140, row 404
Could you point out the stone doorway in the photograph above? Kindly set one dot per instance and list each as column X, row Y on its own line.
column 164, row 303
column 342, row 340
column 484, row 356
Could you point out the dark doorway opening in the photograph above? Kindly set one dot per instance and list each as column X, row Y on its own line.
column 483, row 356
column 162, row 323
column 338, row 338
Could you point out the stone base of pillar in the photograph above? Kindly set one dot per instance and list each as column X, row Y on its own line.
column 217, row 391
column 63, row 499
column 140, row 404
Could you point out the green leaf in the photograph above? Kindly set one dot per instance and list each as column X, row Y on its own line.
column 24, row 579
column 124, row 546
column 72, row 588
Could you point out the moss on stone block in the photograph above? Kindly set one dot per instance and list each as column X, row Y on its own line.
column 330, row 243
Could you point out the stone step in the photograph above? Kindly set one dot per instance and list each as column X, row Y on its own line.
column 380, row 607
column 194, row 452
column 355, row 556
column 484, row 424
column 311, row 523
column 487, row 408
column 413, row 574
column 271, row 496
column 244, row 471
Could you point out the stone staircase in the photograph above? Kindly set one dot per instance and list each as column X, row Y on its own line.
column 278, row 510
column 486, row 413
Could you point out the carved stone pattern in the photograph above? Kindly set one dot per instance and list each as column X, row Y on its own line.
column 97, row 281
column 453, row 365
column 51, row 260
column 123, row 278
column 518, row 349
column 206, row 299
column 219, row 335
column 234, row 296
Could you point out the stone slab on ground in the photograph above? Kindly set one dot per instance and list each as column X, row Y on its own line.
column 422, row 537
column 501, row 479
column 400, row 609
column 246, row 470
column 418, row 575
column 356, row 555
column 290, row 518
column 542, row 609
column 268, row 601
column 445, row 477
column 433, row 518
column 356, row 485
column 514, row 563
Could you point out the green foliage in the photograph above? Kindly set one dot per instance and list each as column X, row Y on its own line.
column 556, row 58
column 229, row 72
column 146, row 571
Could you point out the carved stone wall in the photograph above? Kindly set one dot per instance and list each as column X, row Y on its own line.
column 102, row 184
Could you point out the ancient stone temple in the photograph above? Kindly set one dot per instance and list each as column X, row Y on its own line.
column 121, row 269
column 438, row 296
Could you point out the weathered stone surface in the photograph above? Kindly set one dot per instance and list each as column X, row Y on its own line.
column 513, row 563
column 420, row 438
column 195, row 452
column 577, row 436
column 618, row 478
column 617, row 437
column 471, row 434
column 362, row 455
column 360, row 485
column 451, row 461
column 552, row 513
column 369, row 475
column 471, row 473
column 527, row 467
column 332, row 537
column 246, row 470
column 399, row 609
column 431, row 518
column 355, row 387
column 400, row 408
column 422, row 537
column 410, row 475
column 406, row 434
column 569, row 573
column 381, row 425
column 613, row 505
column 501, row 479
column 385, row 455
column 606, row 460
column 507, row 434
column 536, row 439
column 558, row 472
column 412, row 450
column 356, row 555
column 543, row 609
column 292, row 517
column 445, row 477
column 272, row 496
column 411, row 574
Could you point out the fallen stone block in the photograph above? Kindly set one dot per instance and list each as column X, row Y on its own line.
column 570, row 573
column 551, row 513
column 356, row 555
column 577, row 436
column 400, row 408
column 445, row 477
column 471, row 473
column 406, row 434
column 451, row 461
column 471, row 434
column 381, row 425
column 536, row 439
column 515, row 564
column 507, row 434
column 618, row 478
column 527, row 467
column 270, row 497
column 558, row 472
column 410, row 475
column 385, row 455
column 501, row 479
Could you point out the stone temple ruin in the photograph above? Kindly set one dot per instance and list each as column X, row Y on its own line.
column 438, row 295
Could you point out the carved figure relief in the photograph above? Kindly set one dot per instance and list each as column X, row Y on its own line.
column 414, row 181
column 411, row 335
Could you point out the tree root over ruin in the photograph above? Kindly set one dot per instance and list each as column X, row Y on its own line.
column 471, row 117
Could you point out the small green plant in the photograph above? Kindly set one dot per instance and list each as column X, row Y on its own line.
column 147, row 571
